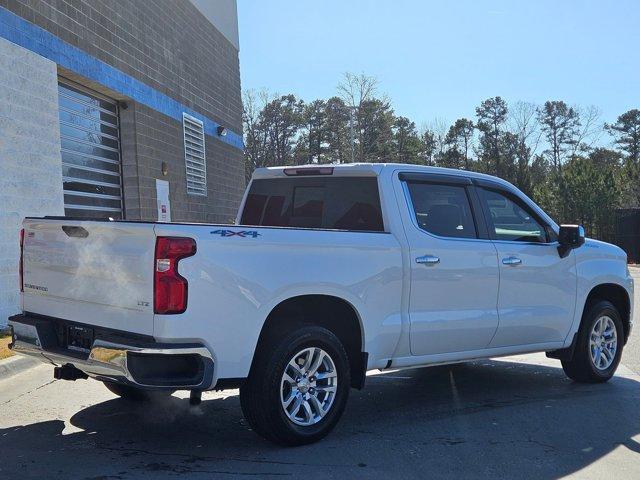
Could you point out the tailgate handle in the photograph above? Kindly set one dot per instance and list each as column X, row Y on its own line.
column 73, row 231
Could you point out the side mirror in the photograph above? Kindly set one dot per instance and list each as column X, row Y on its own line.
column 570, row 237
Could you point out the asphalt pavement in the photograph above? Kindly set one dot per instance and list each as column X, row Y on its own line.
column 516, row 417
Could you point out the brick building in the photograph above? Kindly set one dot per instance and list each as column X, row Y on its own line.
column 105, row 103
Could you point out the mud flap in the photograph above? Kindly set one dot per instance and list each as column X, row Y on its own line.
column 564, row 353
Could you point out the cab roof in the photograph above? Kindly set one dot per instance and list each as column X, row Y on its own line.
column 377, row 169
column 364, row 169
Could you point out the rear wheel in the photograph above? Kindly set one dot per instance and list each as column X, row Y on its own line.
column 298, row 387
column 133, row 394
column 599, row 345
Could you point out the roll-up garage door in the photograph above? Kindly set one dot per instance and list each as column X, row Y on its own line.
column 90, row 139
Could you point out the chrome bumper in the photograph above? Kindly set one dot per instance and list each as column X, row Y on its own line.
column 107, row 360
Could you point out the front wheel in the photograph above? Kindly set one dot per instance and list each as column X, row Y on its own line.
column 298, row 387
column 599, row 345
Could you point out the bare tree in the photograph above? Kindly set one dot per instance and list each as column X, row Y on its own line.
column 256, row 137
column 371, row 116
column 439, row 127
column 354, row 89
column 524, row 124
column 591, row 128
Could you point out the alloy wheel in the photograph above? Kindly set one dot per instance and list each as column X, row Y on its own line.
column 603, row 343
column 308, row 386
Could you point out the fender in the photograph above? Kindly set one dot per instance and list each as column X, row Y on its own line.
column 595, row 267
column 380, row 331
column 332, row 318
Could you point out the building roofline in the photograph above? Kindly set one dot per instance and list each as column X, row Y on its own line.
column 223, row 15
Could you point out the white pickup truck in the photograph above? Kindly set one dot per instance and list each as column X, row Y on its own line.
column 329, row 271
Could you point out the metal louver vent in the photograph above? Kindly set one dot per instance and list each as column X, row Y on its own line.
column 194, row 155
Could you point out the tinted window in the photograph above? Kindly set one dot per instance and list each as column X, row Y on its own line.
column 510, row 219
column 308, row 206
column 343, row 203
column 443, row 210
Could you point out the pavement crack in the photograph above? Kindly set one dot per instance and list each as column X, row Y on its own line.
column 28, row 392
column 164, row 467
column 214, row 458
column 257, row 474
column 547, row 446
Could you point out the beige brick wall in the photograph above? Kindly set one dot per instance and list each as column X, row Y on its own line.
column 30, row 162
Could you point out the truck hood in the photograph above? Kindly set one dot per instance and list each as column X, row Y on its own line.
column 597, row 248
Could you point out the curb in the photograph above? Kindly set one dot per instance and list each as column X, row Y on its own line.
column 15, row 365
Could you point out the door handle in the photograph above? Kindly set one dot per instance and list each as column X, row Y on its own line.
column 428, row 260
column 511, row 261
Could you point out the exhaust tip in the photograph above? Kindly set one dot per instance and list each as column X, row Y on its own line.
column 69, row 372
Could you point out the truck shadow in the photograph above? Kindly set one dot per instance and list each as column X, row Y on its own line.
column 484, row 419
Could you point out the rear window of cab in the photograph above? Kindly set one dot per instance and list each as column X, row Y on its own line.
column 334, row 203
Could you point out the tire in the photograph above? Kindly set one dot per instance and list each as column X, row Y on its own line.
column 133, row 394
column 582, row 367
column 264, row 395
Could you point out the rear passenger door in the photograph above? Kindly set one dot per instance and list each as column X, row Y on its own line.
column 537, row 287
column 453, row 266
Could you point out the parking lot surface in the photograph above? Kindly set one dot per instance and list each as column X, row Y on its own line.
column 516, row 417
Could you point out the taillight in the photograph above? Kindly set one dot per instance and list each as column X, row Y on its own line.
column 21, row 268
column 170, row 288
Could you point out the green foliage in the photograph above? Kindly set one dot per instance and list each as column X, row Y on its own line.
column 459, row 140
column 428, row 148
column 560, row 124
column 271, row 130
column 407, row 144
column 543, row 150
column 586, row 191
column 337, row 131
column 626, row 133
column 492, row 115
column 375, row 121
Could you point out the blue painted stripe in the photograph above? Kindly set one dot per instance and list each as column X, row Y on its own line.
column 21, row 32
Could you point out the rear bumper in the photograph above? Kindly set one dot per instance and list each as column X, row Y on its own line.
column 116, row 356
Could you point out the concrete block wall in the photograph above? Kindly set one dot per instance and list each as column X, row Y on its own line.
column 158, row 139
column 30, row 162
column 167, row 44
column 171, row 47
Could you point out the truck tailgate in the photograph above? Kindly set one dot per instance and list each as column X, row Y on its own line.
column 92, row 272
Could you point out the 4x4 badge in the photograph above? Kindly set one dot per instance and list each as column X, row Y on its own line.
column 232, row 233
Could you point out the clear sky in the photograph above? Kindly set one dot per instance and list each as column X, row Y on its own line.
column 440, row 59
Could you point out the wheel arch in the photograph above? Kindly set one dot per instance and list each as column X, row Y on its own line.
column 618, row 296
column 334, row 313
column 612, row 292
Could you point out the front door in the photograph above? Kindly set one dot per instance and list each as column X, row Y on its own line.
column 454, row 273
column 537, row 287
